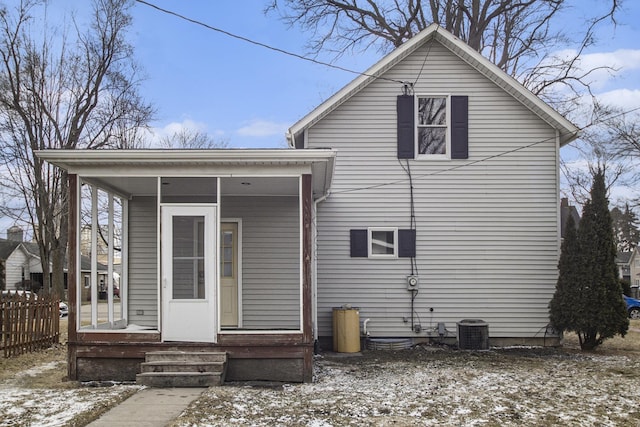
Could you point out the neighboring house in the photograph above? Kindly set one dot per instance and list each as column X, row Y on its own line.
column 634, row 268
column 566, row 211
column 8, row 258
column 23, row 270
column 433, row 165
column 624, row 269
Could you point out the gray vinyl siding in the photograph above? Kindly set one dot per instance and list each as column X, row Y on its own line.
column 143, row 253
column 487, row 232
column 270, row 260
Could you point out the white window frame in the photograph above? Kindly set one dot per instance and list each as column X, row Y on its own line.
column 371, row 230
column 447, row 154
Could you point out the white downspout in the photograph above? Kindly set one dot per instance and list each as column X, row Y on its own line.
column 314, row 274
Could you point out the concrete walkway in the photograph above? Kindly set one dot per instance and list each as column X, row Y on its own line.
column 150, row 407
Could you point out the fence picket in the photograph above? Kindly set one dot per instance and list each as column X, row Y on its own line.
column 28, row 323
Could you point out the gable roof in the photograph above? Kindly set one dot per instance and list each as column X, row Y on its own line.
column 567, row 130
column 623, row 257
column 7, row 247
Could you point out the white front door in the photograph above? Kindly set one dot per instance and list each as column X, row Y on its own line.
column 188, row 273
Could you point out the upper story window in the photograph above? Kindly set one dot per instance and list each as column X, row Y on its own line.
column 433, row 126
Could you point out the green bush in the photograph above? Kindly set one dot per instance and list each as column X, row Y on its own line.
column 588, row 297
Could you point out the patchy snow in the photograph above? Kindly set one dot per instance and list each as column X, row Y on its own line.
column 50, row 407
column 451, row 388
column 423, row 386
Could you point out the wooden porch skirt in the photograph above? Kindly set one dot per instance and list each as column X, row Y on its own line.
column 256, row 357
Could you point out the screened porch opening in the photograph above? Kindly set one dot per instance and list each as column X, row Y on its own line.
column 258, row 265
column 102, row 285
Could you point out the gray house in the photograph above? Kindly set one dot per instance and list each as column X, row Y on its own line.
column 446, row 172
column 424, row 192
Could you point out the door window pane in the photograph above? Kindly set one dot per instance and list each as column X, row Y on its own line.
column 188, row 257
column 227, row 254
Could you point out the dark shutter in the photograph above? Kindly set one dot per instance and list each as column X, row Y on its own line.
column 406, row 243
column 406, row 127
column 459, row 127
column 359, row 243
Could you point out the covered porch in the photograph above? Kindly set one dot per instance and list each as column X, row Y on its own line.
column 205, row 250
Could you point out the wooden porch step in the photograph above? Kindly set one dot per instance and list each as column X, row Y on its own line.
column 182, row 369
column 187, row 356
column 181, row 366
column 180, row 379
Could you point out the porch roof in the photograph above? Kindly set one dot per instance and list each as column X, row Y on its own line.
column 217, row 162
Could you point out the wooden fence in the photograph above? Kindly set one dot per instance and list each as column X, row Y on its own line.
column 28, row 323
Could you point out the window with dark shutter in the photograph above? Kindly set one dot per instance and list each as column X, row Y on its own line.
column 459, row 127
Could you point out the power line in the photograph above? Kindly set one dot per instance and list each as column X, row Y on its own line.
column 404, row 83
column 484, row 159
column 264, row 45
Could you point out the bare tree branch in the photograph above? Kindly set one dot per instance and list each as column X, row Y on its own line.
column 62, row 93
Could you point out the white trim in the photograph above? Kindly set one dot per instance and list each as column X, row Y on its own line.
column 159, row 252
column 110, row 239
column 124, row 263
column 79, row 278
column 447, row 125
column 370, row 231
column 142, row 158
column 94, row 256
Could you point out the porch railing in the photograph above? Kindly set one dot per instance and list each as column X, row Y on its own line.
column 28, row 323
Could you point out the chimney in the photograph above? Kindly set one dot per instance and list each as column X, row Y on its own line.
column 564, row 202
column 15, row 234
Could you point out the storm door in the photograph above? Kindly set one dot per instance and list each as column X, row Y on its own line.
column 188, row 273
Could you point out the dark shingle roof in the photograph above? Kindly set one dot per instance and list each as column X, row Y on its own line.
column 7, row 247
column 623, row 257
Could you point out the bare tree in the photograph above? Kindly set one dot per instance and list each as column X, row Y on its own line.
column 192, row 139
column 611, row 141
column 65, row 92
column 516, row 35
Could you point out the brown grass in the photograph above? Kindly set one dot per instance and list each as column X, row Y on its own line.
column 54, row 378
column 628, row 345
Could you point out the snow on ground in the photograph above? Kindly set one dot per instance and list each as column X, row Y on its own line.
column 444, row 388
column 22, row 405
column 421, row 387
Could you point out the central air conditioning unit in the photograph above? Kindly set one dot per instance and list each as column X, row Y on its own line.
column 473, row 334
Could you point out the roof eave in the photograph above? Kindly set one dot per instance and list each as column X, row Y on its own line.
column 568, row 131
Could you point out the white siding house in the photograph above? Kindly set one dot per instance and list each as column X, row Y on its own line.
column 485, row 212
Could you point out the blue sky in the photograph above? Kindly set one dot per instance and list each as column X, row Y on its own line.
column 249, row 95
column 236, row 91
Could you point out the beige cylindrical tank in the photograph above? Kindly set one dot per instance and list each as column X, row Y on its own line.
column 346, row 330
